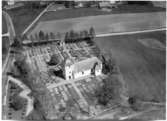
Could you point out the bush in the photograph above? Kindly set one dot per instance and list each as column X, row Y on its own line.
column 54, row 60
column 134, row 103
column 17, row 103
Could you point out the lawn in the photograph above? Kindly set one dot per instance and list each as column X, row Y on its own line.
column 143, row 68
column 4, row 25
column 22, row 17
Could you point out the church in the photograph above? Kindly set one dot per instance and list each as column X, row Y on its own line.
column 77, row 69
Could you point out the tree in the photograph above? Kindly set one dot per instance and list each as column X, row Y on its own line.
column 69, row 4
column 51, row 35
column 4, row 3
column 24, row 37
column 47, row 36
column 71, row 35
column 32, row 39
column 76, row 36
column 66, row 38
column 20, row 64
column 53, row 60
column 41, row 35
column 135, row 103
column 110, row 90
column 17, row 103
column 17, row 43
column 109, row 63
column 37, row 37
column 86, row 35
column 58, row 36
column 81, row 35
column 92, row 33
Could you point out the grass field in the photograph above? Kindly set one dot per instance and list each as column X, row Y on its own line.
column 22, row 17
column 104, row 24
column 143, row 68
column 4, row 25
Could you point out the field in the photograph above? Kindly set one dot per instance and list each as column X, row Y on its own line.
column 4, row 27
column 5, row 48
column 143, row 68
column 54, row 14
column 81, row 12
column 104, row 24
column 22, row 17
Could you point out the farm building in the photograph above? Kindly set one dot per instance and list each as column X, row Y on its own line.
column 86, row 67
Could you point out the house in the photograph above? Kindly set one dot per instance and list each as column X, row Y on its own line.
column 86, row 67
column 11, row 4
column 108, row 4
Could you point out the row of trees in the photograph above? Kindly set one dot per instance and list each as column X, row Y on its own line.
column 41, row 37
column 74, row 36
column 111, row 86
column 44, row 36
column 110, row 90
column 71, row 36
column 109, row 63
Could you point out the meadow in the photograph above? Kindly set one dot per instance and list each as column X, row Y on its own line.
column 143, row 68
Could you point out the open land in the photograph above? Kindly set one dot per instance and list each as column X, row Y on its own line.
column 22, row 17
column 143, row 68
column 5, row 47
column 104, row 24
column 81, row 12
column 54, row 14
column 4, row 27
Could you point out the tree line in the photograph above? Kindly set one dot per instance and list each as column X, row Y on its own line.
column 71, row 36
column 42, row 36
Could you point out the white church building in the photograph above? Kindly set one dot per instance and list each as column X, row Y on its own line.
column 86, row 67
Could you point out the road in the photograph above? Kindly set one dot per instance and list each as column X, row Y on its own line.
column 11, row 33
column 6, row 65
column 129, row 33
column 72, row 82
column 10, row 26
column 24, row 94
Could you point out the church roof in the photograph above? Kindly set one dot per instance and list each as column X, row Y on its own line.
column 86, row 64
